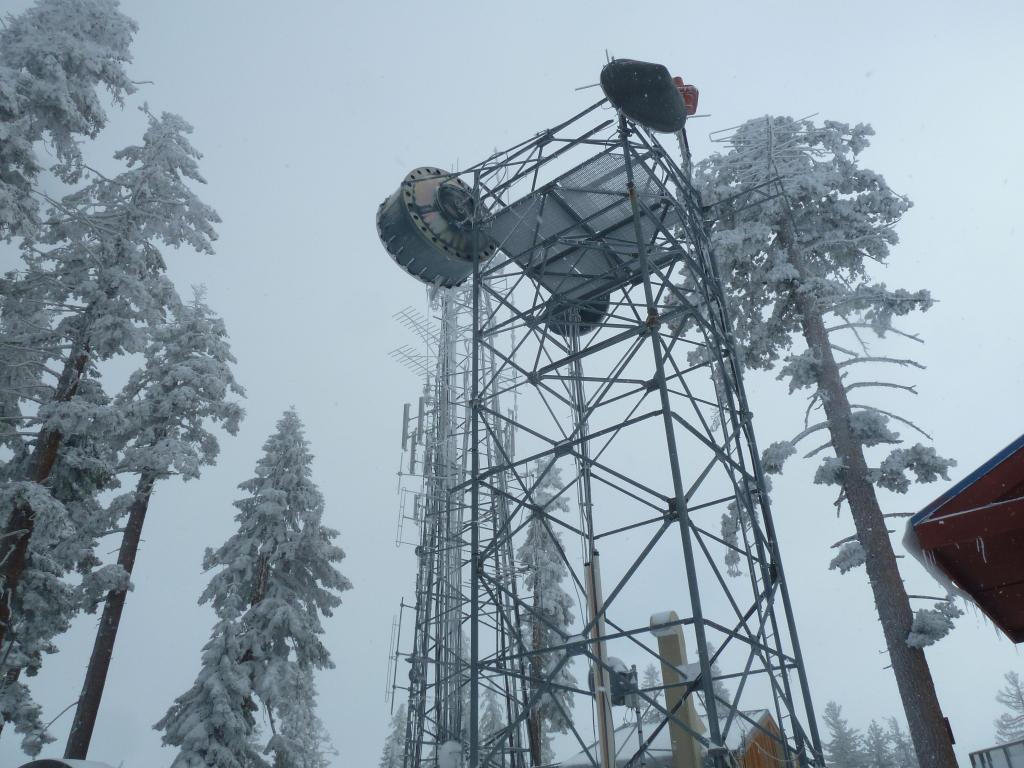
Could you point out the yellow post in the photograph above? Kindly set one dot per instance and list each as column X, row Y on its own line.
column 602, row 681
column 686, row 750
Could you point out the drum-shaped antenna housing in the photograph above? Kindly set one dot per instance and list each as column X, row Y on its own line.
column 577, row 317
column 644, row 93
column 427, row 227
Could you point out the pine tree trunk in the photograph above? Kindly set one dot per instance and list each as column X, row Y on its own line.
column 17, row 532
column 913, row 678
column 533, row 725
column 103, row 647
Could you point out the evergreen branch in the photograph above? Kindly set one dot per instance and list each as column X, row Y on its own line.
column 888, row 329
column 847, row 540
column 909, row 423
column 845, row 351
column 809, row 431
column 96, row 172
column 818, row 450
column 856, row 384
column 72, row 214
column 872, row 235
column 862, row 297
column 60, row 714
column 810, row 406
column 893, row 360
column 852, row 327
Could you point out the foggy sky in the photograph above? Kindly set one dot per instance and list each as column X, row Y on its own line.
column 310, row 113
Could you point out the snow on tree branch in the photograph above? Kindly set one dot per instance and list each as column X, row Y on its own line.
column 802, row 370
column 851, row 554
column 932, row 624
column 831, row 471
column 96, row 584
column 920, row 460
column 871, row 427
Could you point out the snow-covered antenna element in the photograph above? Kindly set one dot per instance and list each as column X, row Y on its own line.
column 577, row 315
column 411, row 358
column 419, row 361
column 418, row 323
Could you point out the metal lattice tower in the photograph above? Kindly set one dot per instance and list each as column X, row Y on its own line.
column 574, row 244
column 435, row 447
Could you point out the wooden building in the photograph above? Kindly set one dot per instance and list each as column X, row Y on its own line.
column 974, row 535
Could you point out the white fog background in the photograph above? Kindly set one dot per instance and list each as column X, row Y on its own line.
column 310, row 113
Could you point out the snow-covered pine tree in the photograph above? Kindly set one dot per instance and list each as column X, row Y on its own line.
column 796, row 266
column 54, row 56
column 877, row 747
column 549, row 617
column 845, row 746
column 300, row 739
column 213, row 723
column 24, row 334
column 722, row 692
column 98, row 271
column 651, row 684
column 492, row 716
column 901, row 746
column 165, row 410
column 393, row 754
column 1010, row 724
column 71, row 519
column 280, row 567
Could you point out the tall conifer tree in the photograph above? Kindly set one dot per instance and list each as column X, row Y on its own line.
column 393, row 754
column 102, row 277
column 877, row 747
column 845, row 746
column 796, row 270
column 901, row 745
column 1010, row 724
column 165, row 411
column 652, row 685
column 55, row 58
column 550, row 615
column 277, row 578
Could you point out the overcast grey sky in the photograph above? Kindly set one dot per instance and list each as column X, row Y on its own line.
column 309, row 114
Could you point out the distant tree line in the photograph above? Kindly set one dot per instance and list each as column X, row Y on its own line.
column 1010, row 724
column 883, row 745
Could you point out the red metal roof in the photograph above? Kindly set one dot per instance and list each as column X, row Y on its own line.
column 975, row 533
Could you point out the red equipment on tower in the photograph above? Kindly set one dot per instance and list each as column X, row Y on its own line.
column 689, row 93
